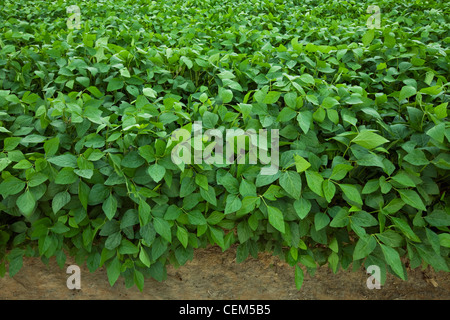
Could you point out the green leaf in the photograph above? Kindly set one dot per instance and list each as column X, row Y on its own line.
column 302, row 207
column 389, row 39
column 393, row 260
column 444, row 240
column 143, row 256
column 290, row 99
column 15, row 264
column 308, row 261
column 202, row 181
column 163, row 228
column 113, row 270
column 352, row 193
column 276, row 218
column 364, row 247
column 364, row 219
column 144, row 210
column 127, row 247
column 11, row 186
column 290, row 181
column 129, row 219
column 157, row 172
column 83, row 194
column 66, row 176
column 368, row 37
column 85, row 173
column 333, row 115
column 301, row 164
column 233, row 204
column 209, row 195
column 321, row 220
column 60, row 200
column 393, row 206
column 314, row 181
column 430, row 257
column 405, row 228
column 4, row 162
column 160, row 146
column 26, row 203
column 217, row 236
column 33, row 138
column 369, row 139
column 215, row 217
column 434, row 240
column 304, row 119
column 406, row 92
column 148, row 233
column 329, row 102
column 113, row 241
column 371, row 186
column 231, row 184
column 263, row 180
column 319, row 115
column 329, row 189
column 294, row 253
column 210, row 119
column 403, row 178
column 36, row 179
column 23, row 164
column 433, row 90
column 273, row 192
column 147, row 152
column 149, row 92
column 132, row 160
column 115, row 84
column 95, row 92
column 84, row 81
column 226, row 95
column 59, row 228
column 11, row 143
column 110, row 206
column 242, row 252
column 416, row 157
column 183, row 236
column 440, row 111
column 340, row 171
column 391, row 238
column 341, row 219
column 299, row 276
column 243, row 231
column 247, row 188
column 307, row 78
column 438, row 218
column 334, row 246
column 437, row 132
column 333, row 260
column 187, row 62
column 286, row 115
column 272, row 97
column 66, row 160
column 51, row 146
column 196, row 218
column 412, row 198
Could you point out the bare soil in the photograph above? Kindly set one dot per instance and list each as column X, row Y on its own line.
column 213, row 274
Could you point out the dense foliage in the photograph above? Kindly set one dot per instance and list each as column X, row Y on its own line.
column 86, row 117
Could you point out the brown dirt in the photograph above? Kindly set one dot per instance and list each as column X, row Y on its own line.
column 213, row 274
